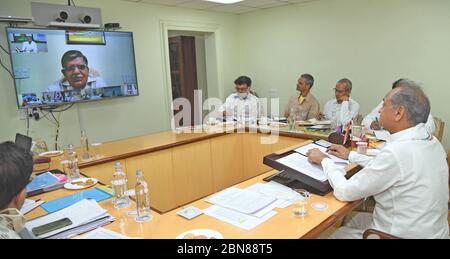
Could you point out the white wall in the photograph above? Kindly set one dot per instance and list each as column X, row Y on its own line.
column 122, row 118
column 372, row 42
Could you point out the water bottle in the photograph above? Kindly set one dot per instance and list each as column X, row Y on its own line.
column 85, row 145
column 72, row 163
column 142, row 198
column 291, row 120
column 119, row 186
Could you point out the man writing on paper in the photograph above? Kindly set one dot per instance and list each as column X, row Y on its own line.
column 242, row 105
column 372, row 120
column 408, row 179
column 16, row 166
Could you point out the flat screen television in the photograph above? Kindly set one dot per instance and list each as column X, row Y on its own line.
column 54, row 67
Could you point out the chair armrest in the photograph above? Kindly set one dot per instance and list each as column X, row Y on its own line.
column 376, row 234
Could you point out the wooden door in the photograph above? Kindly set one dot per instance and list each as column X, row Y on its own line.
column 183, row 69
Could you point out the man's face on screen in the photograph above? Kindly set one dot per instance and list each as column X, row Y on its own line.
column 76, row 73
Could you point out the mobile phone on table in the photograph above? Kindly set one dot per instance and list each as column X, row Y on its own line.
column 52, row 226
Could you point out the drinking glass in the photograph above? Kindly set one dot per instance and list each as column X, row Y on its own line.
column 96, row 150
column 301, row 205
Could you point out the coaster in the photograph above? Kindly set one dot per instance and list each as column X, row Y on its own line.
column 190, row 212
column 319, row 206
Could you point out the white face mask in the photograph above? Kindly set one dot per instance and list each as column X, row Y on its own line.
column 242, row 95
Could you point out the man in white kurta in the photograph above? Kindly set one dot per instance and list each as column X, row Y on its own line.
column 342, row 109
column 408, row 179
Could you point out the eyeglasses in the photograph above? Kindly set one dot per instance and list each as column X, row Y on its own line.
column 73, row 67
column 339, row 91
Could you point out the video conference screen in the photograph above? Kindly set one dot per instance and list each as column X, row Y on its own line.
column 56, row 67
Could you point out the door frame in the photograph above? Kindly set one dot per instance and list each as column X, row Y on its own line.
column 213, row 67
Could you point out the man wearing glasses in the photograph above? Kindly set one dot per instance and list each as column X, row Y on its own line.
column 77, row 75
column 408, row 179
column 342, row 109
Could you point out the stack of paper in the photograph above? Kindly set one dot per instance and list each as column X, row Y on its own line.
column 85, row 215
column 43, row 183
column 243, row 208
column 278, row 191
column 30, row 205
column 301, row 164
column 244, row 201
column 318, row 122
column 103, row 233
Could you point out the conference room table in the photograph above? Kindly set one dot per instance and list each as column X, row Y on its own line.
column 184, row 168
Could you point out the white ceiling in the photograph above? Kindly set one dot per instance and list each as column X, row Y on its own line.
column 237, row 8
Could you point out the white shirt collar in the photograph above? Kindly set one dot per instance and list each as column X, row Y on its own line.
column 418, row 132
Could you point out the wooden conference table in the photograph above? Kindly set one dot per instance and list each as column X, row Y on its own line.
column 184, row 168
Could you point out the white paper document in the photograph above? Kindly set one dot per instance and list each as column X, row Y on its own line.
column 301, row 164
column 30, row 205
column 285, row 195
column 244, row 201
column 318, row 122
column 103, row 233
column 80, row 213
column 382, row 134
column 235, row 218
column 304, row 149
column 276, row 190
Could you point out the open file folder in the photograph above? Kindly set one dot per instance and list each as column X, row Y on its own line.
column 309, row 178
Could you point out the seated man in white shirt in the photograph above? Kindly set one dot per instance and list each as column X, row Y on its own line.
column 28, row 46
column 408, row 179
column 242, row 105
column 342, row 109
column 76, row 73
column 372, row 120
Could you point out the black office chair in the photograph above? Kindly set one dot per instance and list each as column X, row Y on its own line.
column 25, row 143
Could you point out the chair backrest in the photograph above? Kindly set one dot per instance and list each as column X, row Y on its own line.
column 439, row 133
column 376, row 234
column 23, row 142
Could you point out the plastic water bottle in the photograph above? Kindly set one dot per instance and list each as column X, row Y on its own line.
column 291, row 120
column 85, row 145
column 119, row 186
column 142, row 198
column 72, row 163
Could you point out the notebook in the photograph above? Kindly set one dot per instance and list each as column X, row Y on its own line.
column 42, row 181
